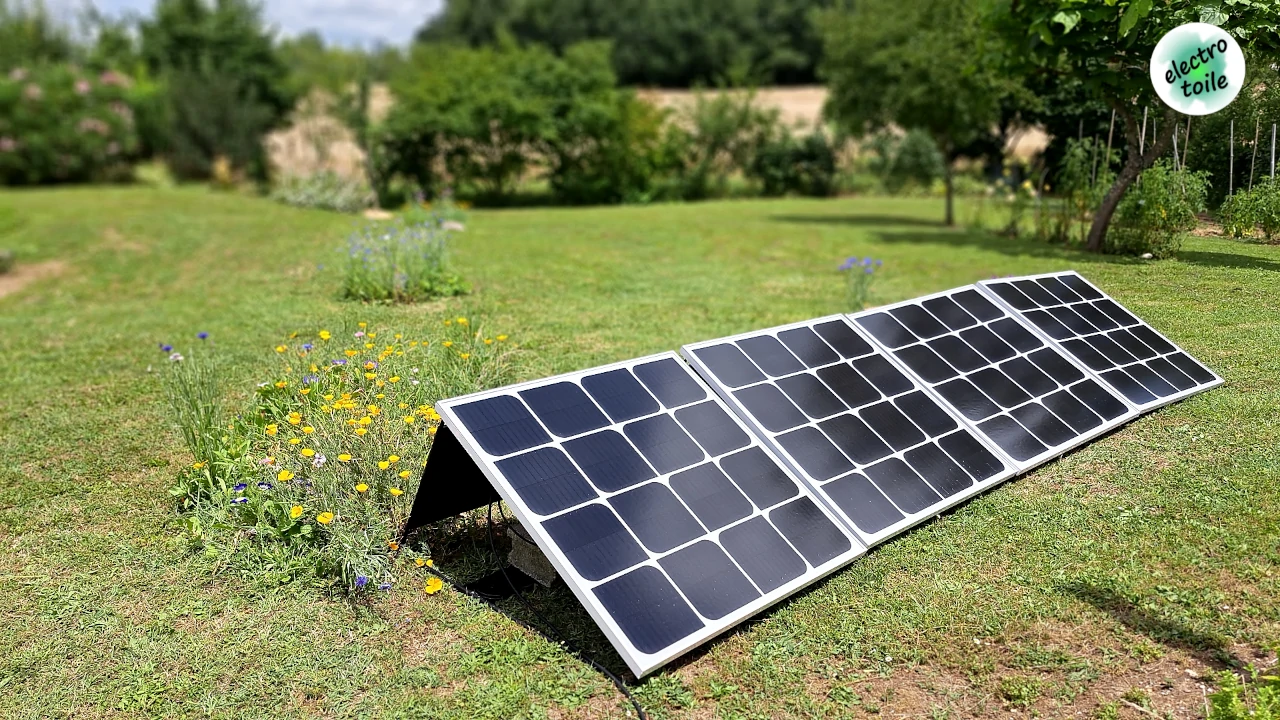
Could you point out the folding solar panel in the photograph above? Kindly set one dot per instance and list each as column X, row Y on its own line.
column 1123, row 351
column 1030, row 399
column 668, row 519
column 865, row 435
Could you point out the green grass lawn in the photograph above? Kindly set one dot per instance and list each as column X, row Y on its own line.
column 1116, row 575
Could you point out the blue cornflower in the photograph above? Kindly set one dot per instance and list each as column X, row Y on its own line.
column 239, row 487
column 239, row 500
column 166, row 348
column 308, row 379
column 870, row 269
column 361, row 581
column 339, row 361
column 864, row 262
column 307, row 346
column 202, row 335
column 264, row 486
column 385, row 586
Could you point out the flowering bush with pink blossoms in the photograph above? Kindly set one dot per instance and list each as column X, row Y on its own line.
column 60, row 123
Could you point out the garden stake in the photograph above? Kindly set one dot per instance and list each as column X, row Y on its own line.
column 1110, row 134
column 1142, row 144
column 1257, row 133
column 1187, row 147
column 1231, row 172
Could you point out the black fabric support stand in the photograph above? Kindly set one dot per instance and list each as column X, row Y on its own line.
column 451, row 484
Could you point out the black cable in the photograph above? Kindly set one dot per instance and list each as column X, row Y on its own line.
column 560, row 636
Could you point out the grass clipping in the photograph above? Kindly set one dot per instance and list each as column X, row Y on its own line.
column 316, row 478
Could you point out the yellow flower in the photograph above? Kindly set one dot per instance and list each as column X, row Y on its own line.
column 434, row 585
column 398, row 336
column 404, row 475
column 272, row 429
column 295, row 418
column 368, row 346
column 419, row 562
column 431, row 430
column 314, row 368
column 324, row 518
column 295, row 512
column 198, row 465
column 361, row 431
column 362, row 487
column 404, row 406
column 381, row 384
column 502, row 338
column 448, row 322
column 282, row 384
column 308, row 452
column 373, row 335
column 447, row 343
column 488, row 341
column 284, row 475
column 393, row 458
column 383, row 464
column 370, row 376
column 364, row 325
column 431, row 563
column 373, row 410
column 393, row 545
column 462, row 321
column 366, row 421
column 396, row 492
column 465, row 356
column 324, row 335
column 408, row 419
column 281, row 348
column 328, row 397
column 307, row 429
column 394, row 378
column 295, row 441
column 305, row 391
column 344, row 457
column 350, row 353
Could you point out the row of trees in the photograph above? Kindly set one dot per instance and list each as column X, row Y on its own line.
column 666, row 43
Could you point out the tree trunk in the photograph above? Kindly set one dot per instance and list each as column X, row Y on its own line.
column 1134, row 164
column 949, row 180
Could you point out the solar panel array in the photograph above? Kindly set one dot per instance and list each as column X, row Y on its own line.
column 1004, row 380
column 677, row 502
column 865, row 434
column 669, row 520
column 1123, row 351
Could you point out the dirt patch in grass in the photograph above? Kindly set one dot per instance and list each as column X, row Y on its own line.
column 23, row 275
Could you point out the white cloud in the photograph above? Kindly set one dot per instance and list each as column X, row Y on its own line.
column 343, row 22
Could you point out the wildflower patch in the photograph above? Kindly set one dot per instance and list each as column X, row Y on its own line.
column 314, row 480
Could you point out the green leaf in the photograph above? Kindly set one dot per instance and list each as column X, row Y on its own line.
column 1068, row 19
column 1137, row 10
column 1212, row 15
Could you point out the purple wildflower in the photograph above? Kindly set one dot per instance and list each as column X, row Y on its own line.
column 385, row 586
column 166, row 348
column 264, row 486
column 239, row 487
column 239, row 501
column 203, row 335
column 361, row 581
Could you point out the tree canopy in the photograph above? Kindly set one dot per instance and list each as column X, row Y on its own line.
column 1106, row 46
column 668, row 43
column 914, row 64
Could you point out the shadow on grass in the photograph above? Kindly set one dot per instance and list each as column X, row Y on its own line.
column 858, row 220
column 1227, row 260
column 1144, row 618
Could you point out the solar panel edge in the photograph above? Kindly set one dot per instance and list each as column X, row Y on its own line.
column 1137, row 409
column 1052, row 453
column 910, row 519
column 639, row 662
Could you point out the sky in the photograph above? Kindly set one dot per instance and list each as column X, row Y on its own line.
column 340, row 22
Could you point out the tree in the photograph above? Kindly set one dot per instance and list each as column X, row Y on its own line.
column 225, row 84
column 1106, row 46
column 29, row 35
column 915, row 64
column 668, row 43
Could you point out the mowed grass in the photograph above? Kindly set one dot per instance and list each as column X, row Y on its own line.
column 1119, row 575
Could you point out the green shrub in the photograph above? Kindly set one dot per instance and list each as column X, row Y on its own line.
column 314, row 479
column 1157, row 211
column 325, row 191
column 714, row 139
column 400, row 262
column 904, row 162
column 783, row 164
column 1235, row 700
column 59, row 124
column 1239, row 214
column 859, row 273
column 1266, row 208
